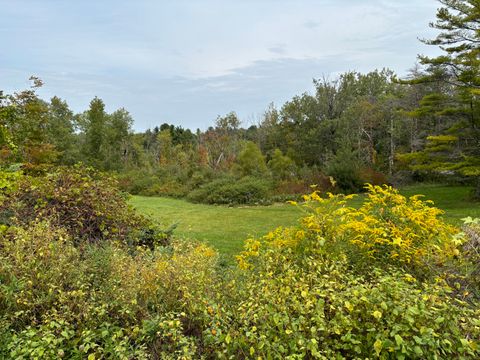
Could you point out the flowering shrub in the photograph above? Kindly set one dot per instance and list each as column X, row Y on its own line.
column 303, row 294
column 387, row 229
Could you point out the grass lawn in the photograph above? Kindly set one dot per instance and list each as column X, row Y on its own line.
column 225, row 228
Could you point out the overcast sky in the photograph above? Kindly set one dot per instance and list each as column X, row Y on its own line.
column 187, row 61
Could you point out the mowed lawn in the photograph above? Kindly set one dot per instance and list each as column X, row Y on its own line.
column 226, row 228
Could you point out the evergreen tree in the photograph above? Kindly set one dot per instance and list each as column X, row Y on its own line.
column 251, row 161
column 459, row 67
column 95, row 127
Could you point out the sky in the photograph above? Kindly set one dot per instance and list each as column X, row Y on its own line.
column 186, row 62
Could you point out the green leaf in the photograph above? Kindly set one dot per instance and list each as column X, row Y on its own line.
column 398, row 339
column 418, row 350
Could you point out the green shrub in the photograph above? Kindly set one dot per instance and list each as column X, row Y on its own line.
column 291, row 306
column 137, row 182
column 344, row 167
column 85, row 203
column 231, row 191
column 105, row 301
column 171, row 188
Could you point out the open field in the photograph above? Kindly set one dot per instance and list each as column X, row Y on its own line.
column 226, row 228
column 223, row 227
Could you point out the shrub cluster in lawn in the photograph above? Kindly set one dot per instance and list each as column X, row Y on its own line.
column 160, row 183
column 231, row 191
column 330, row 287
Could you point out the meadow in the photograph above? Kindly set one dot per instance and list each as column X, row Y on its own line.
column 226, row 228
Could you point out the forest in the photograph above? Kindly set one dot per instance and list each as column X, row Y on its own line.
column 365, row 272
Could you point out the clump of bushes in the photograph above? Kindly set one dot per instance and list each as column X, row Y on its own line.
column 386, row 229
column 151, row 184
column 84, row 202
column 101, row 301
column 231, row 191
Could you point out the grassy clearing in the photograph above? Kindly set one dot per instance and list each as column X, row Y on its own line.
column 226, row 228
column 223, row 227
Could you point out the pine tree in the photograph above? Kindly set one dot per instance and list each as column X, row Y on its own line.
column 95, row 127
column 459, row 68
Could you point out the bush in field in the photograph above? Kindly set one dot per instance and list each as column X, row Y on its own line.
column 292, row 304
column 84, row 202
column 137, row 182
column 161, row 183
column 231, row 191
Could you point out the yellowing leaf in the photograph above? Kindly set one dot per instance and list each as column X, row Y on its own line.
column 377, row 314
column 378, row 346
column 349, row 306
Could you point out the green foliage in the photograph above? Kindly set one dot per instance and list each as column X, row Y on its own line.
column 471, row 247
column 138, row 182
column 81, row 200
column 231, row 191
column 344, row 168
column 251, row 161
column 281, row 166
column 58, row 301
column 296, row 305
